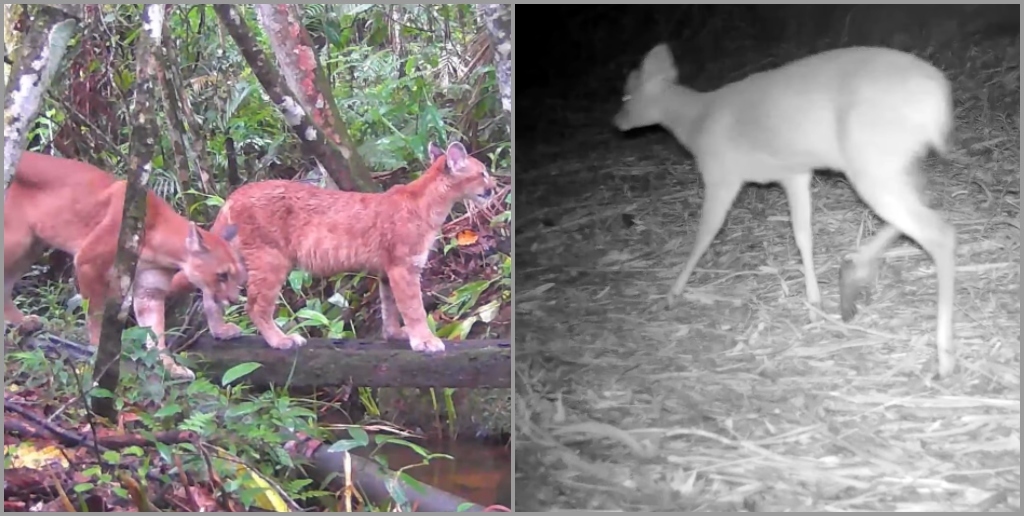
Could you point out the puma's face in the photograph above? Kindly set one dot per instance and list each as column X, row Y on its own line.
column 214, row 265
column 471, row 179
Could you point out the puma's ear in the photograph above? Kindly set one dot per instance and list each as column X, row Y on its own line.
column 194, row 241
column 229, row 232
column 434, row 151
column 456, row 156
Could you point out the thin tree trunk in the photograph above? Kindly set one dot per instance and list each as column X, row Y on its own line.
column 36, row 60
column 293, row 49
column 313, row 141
column 174, row 124
column 497, row 19
column 132, row 233
column 195, row 150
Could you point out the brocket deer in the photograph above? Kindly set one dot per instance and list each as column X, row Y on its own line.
column 869, row 112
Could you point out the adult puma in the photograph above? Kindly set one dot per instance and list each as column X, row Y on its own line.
column 284, row 224
column 76, row 207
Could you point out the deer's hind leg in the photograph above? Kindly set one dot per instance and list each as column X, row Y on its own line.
column 887, row 181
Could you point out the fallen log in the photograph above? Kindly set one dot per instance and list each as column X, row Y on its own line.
column 362, row 363
column 373, row 479
column 334, row 362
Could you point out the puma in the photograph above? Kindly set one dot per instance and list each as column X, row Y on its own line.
column 285, row 224
column 76, row 207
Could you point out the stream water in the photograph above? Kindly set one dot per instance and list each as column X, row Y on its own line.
column 480, row 472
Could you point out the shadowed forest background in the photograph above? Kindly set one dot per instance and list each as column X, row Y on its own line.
column 734, row 400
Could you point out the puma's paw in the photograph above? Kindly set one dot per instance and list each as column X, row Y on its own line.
column 288, row 342
column 29, row 324
column 431, row 344
column 179, row 372
column 395, row 333
column 227, row 332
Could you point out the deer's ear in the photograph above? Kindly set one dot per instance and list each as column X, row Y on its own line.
column 456, row 156
column 194, row 241
column 434, row 151
column 659, row 64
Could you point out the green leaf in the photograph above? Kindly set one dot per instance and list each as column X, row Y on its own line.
column 81, row 488
column 449, row 329
column 465, row 326
column 416, row 485
column 344, row 445
column 297, row 279
column 168, row 410
column 396, row 492
column 239, row 371
column 100, row 392
column 242, row 409
column 359, row 435
column 383, row 439
column 314, row 316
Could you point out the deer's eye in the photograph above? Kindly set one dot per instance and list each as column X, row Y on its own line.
column 222, row 277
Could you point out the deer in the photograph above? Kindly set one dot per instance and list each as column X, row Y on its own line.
column 872, row 113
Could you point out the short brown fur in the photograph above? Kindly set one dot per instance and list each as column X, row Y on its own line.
column 76, row 207
column 285, row 224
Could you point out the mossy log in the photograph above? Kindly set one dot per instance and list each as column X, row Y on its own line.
column 363, row 363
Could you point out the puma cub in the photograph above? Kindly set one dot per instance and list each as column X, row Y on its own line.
column 285, row 224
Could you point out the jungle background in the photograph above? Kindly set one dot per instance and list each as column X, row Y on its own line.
column 397, row 78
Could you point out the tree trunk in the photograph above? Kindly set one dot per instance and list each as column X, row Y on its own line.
column 36, row 60
column 497, row 19
column 195, row 150
column 174, row 124
column 132, row 233
column 311, row 139
column 293, row 49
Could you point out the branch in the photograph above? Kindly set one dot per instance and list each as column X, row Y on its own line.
column 38, row 58
column 293, row 49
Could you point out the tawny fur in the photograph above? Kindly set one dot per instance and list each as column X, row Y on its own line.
column 869, row 112
column 75, row 207
column 284, row 225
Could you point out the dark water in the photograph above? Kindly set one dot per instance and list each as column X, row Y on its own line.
column 479, row 472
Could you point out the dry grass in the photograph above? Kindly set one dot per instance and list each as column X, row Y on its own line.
column 735, row 401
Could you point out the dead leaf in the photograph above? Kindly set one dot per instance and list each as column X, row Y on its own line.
column 466, row 237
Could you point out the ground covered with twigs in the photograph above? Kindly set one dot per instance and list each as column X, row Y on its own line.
column 735, row 400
